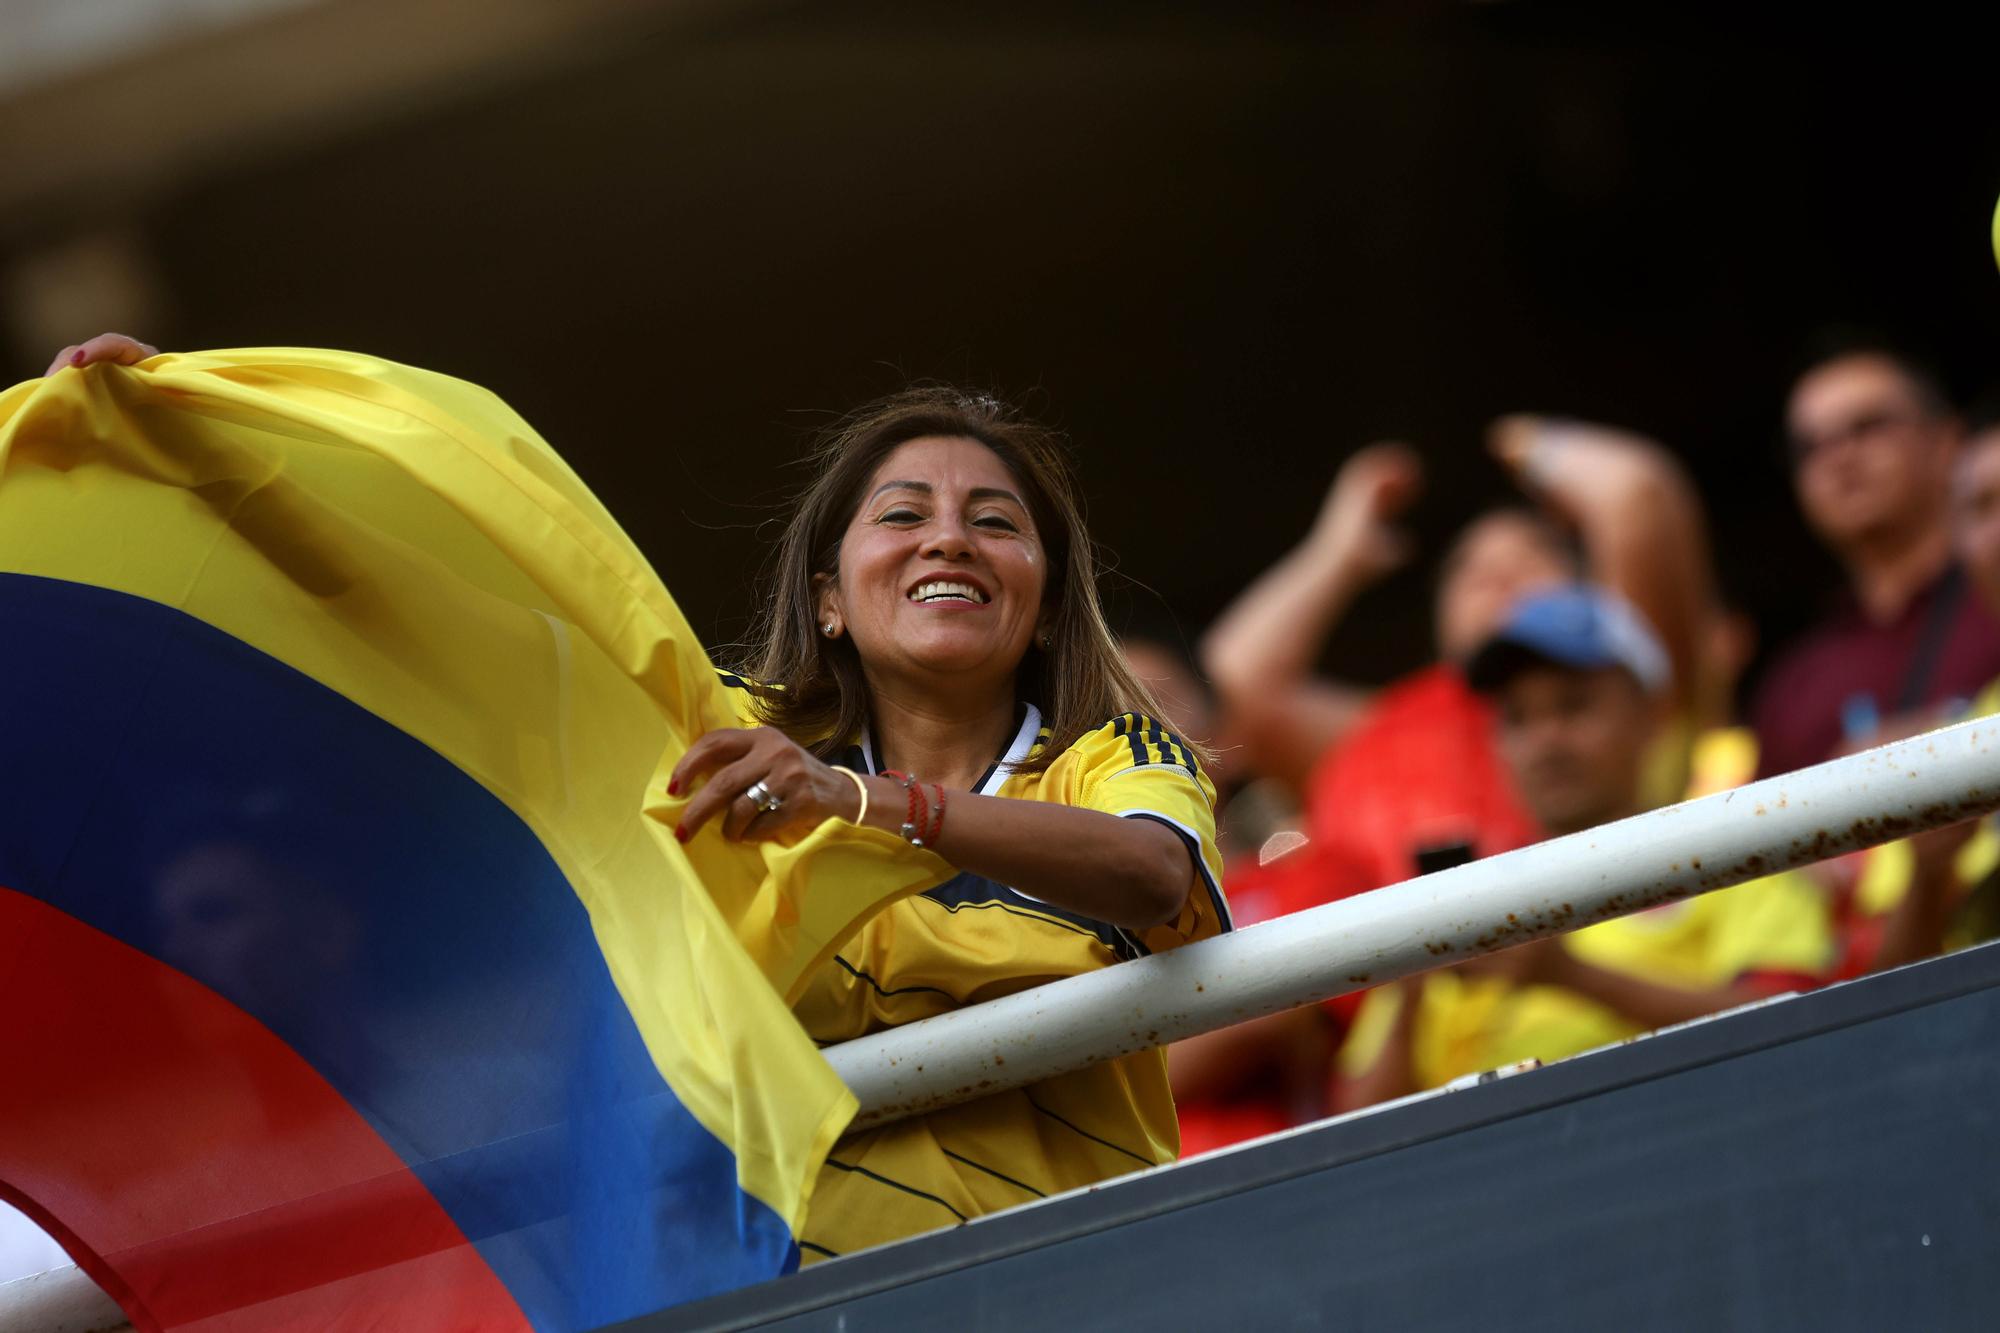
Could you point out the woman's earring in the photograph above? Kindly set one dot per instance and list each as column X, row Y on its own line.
column 827, row 629
column 1047, row 641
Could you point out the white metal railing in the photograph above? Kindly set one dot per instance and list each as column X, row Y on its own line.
column 1876, row 796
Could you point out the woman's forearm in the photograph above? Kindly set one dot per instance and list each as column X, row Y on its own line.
column 1134, row 873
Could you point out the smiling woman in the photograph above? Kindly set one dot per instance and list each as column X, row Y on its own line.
column 935, row 663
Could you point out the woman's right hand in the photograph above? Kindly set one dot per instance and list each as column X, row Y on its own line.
column 114, row 348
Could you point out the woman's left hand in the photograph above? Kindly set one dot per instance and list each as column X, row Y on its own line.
column 734, row 760
column 110, row 348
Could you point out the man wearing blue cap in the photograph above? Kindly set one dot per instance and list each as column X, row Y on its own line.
column 1579, row 683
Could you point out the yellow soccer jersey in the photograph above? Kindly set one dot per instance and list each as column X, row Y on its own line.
column 971, row 939
column 1470, row 1024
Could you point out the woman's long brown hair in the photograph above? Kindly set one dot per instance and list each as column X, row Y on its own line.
column 811, row 687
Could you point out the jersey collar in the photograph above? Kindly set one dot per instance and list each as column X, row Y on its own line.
column 996, row 773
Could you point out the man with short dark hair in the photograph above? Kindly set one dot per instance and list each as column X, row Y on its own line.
column 1873, row 440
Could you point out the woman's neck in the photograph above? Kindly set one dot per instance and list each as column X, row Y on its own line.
column 952, row 742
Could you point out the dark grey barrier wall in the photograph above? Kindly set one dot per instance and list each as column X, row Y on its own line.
column 1822, row 1162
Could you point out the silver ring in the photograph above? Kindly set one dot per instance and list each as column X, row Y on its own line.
column 763, row 797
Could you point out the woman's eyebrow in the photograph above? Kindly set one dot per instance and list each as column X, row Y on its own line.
column 925, row 488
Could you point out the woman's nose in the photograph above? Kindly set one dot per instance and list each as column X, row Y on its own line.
column 947, row 539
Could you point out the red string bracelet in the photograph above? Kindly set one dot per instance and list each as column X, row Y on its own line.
column 916, row 824
column 937, row 828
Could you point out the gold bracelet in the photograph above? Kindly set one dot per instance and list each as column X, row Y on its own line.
column 860, row 787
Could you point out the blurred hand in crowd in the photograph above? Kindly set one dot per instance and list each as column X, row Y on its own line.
column 1356, row 527
column 1568, row 464
column 1639, row 519
column 113, row 348
column 1262, row 652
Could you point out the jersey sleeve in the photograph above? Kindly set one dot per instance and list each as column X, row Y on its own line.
column 742, row 697
column 1133, row 767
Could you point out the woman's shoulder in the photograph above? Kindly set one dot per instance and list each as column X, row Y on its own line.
column 1126, row 759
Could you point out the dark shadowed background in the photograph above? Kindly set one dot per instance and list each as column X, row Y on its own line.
column 1221, row 245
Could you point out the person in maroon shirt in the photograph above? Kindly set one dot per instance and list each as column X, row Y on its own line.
column 1873, row 440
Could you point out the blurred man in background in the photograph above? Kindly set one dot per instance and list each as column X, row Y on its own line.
column 1582, row 688
column 1911, row 899
column 1873, row 440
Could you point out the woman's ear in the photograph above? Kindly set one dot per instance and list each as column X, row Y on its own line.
column 826, row 604
column 1045, row 629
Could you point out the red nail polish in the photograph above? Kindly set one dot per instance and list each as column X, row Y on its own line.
column 674, row 787
column 680, row 834
column 76, row 357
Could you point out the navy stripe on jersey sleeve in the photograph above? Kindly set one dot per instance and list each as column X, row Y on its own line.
column 1152, row 743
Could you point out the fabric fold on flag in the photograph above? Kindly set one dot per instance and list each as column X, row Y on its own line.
column 337, row 882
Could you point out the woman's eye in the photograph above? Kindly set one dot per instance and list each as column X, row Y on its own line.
column 996, row 521
column 900, row 516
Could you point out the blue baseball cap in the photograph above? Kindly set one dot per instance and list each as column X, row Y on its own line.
column 1580, row 626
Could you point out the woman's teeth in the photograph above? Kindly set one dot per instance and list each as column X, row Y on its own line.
column 940, row 591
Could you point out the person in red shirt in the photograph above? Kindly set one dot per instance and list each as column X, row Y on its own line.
column 1408, row 780
column 1873, row 441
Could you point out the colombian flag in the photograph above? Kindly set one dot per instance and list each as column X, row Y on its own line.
column 350, row 975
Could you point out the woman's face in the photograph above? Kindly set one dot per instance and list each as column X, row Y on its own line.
column 941, row 569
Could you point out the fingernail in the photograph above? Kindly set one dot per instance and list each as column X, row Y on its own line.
column 76, row 357
column 674, row 787
column 680, row 834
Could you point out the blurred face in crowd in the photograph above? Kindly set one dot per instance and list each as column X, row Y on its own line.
column 1872, row 456
column 1497, row 561
column 1575, row 742
column 1976, row 513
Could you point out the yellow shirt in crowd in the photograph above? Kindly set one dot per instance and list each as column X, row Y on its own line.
column 1887, row 870
column 1470, row 1024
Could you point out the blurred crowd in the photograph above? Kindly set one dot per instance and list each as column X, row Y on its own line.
column 1589, row 668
